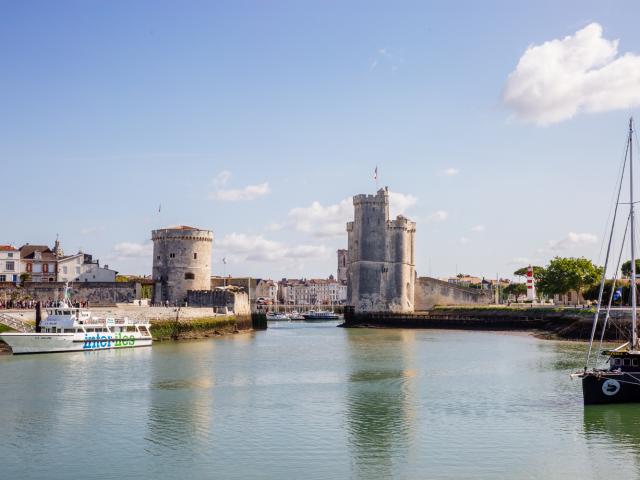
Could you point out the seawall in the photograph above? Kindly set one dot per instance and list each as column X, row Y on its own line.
column 570, row 324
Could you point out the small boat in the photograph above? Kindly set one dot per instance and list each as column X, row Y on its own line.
column 277, row 316
column 618, row 381
column 320, row 315
column 70, row 329
column 295, row 315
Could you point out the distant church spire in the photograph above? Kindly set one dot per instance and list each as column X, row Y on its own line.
column 57, row 249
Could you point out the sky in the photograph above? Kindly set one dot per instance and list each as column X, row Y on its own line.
column 498, row 126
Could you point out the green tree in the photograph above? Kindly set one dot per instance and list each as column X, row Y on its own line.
column 626, row 268
column 565, row 274
column 537, row 272
column 515, row 289
column 25, row 277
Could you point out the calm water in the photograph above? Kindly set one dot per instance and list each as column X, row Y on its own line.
column 313, row 401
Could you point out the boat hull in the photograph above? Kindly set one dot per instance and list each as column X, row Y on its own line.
column 26, row 343
column 611, row 387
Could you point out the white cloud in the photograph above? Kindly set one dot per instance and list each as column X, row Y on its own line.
column 478, row 228
column 521, row 261
column 385, row 58
column 91, row 230
column 222, row 178
column 321, row 221
column 438, row 216
column 464, row 240
column 256, row 248
column 133, row 250
column 580, row 73
column 450, row 172
column 250, row 192
column 573, row 240
column 331, row 220
column 274, row 227
column 399, row 203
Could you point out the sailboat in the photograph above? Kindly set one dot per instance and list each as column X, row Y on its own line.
column 619, row 380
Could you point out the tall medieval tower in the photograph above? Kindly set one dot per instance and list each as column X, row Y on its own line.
column 181, row 262
column 343, row 265
column 381, row 271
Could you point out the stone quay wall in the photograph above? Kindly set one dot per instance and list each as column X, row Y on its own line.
column 236, row 302
column 431, row 292
column 96, row 293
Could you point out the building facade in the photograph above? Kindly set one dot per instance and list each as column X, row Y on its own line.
column 267, row 290
column 313, row 292
column 9, row 264
column 39, row 262
column 82, row 268
column 381, row 268
column 181, row 262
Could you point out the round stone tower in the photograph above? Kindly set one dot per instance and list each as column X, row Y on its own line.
column 181, row 262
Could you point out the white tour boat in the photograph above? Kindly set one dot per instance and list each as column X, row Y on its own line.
column 69, row 329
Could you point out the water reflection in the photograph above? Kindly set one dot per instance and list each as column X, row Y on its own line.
column 619, row 423
column 181, row 399
column 380, row 400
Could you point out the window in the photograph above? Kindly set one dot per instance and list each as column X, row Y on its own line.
column 3, row 278
column 158, row 257
column 29, row 267
column 172, row 255
column 626, row 362
column 64, row 269
column 77, row 270
column 195, row 256
column 45, row 268
column 189, row 276
column 10, row 255
column 10, row 266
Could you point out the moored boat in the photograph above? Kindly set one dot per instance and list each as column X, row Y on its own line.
column 618, row 381
column 69, row 329
column 320, row 315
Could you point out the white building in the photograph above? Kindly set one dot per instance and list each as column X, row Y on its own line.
column 9, row 264
column 81, row 268
column 313, row 292
column 268, row 290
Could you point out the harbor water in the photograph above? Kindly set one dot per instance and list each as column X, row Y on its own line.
column 308, row 400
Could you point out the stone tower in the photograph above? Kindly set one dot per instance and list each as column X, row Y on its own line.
column 181, row 262
column 381, row 269
column 343, row 264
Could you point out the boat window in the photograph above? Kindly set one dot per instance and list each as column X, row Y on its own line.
column 627, row 362
column 131, row 328
column 615, row 361
column 634, row 362
column 69, row 330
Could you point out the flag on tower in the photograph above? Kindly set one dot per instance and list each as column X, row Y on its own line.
column 224, row 260
column 159, row 207
column 375, row 173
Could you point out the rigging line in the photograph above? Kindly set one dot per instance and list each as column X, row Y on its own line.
column 613, row 285
column 604, row 271
column 613, row 193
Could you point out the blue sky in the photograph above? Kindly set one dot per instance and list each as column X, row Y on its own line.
column 259, row 120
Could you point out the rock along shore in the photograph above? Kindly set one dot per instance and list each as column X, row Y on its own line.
column 551, row 323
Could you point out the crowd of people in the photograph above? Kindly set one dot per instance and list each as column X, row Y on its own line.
column 31, row 304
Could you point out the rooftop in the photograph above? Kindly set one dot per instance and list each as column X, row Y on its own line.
column 8, row 248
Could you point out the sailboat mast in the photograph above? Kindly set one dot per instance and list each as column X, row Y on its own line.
column 634, row 334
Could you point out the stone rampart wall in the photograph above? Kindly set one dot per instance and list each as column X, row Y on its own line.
column 431, row 292
column 96, row 293
column 236, row 302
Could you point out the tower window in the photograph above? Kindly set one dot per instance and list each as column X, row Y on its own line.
column 195, row 256
column 189, row 276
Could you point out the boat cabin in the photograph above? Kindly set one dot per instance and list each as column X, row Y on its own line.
column 623, row 361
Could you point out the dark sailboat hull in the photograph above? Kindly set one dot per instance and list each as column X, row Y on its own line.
column 606, row 387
